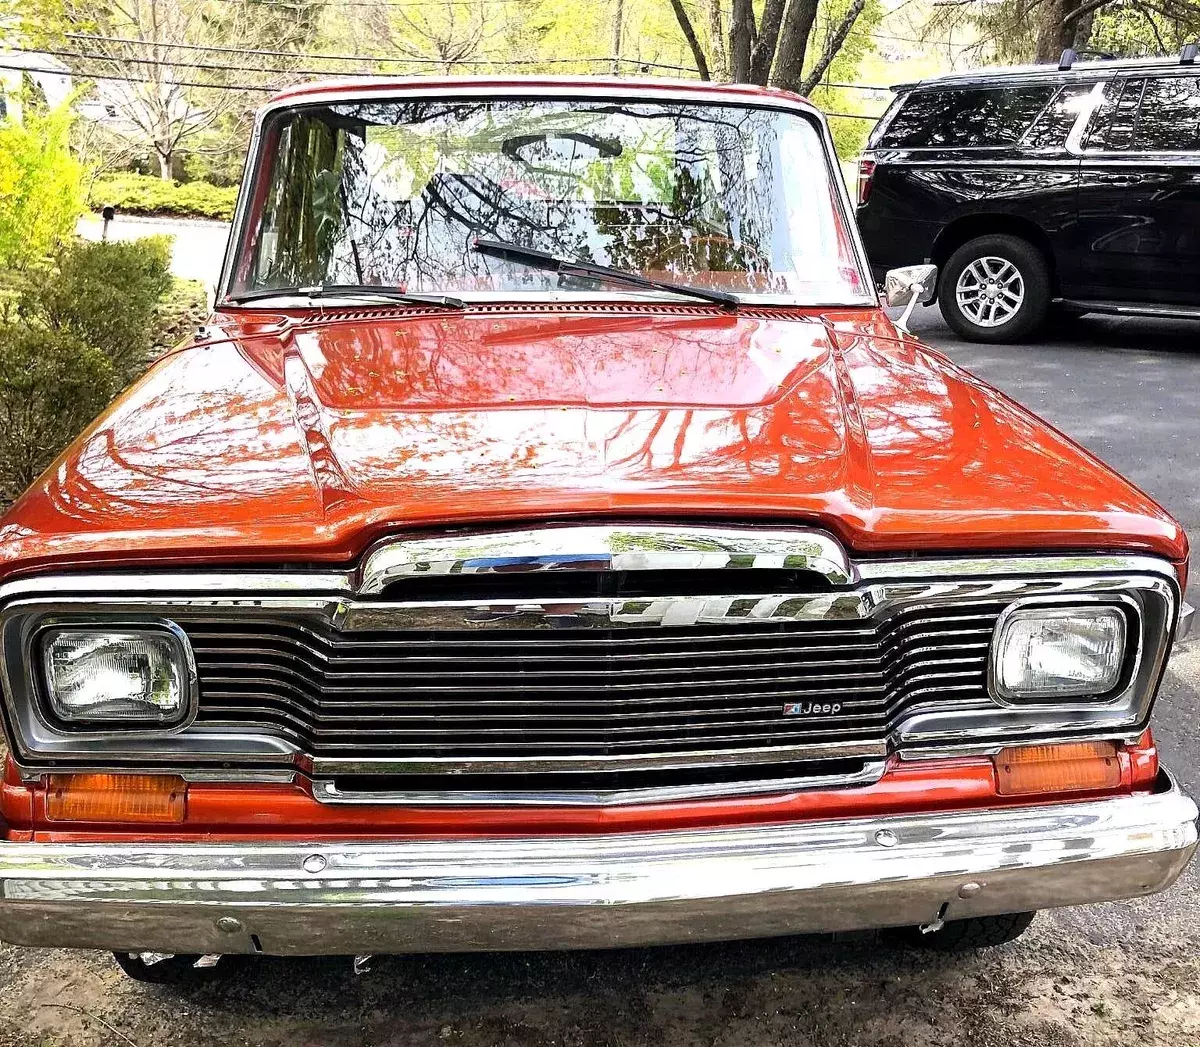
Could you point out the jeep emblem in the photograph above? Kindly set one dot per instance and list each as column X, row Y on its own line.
column 812, row 709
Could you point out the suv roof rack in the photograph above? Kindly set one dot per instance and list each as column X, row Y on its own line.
column 1188, row 55
column 1070, row 56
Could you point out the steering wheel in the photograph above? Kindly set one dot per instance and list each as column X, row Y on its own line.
column 682, row 249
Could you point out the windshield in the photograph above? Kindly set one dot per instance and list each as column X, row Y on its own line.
column 398, row 194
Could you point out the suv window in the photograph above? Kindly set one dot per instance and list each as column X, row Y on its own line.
column 966, row 117
column 1170, row 116
column 1148, row 115
column 1050, row 130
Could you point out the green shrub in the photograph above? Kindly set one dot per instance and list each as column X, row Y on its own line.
column 144, row 194
column 51, row 385
column 107, row 295
column 183, row 310
column 41, row 196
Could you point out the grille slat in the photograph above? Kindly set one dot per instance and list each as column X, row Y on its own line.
column 574, row 693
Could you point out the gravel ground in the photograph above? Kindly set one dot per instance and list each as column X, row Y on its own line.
column 1126, row 973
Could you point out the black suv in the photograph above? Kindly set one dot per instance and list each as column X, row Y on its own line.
column 1074, row 188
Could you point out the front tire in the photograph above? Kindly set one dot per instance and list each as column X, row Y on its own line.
column 174, row 970
column 995, row 289
column 975, row 932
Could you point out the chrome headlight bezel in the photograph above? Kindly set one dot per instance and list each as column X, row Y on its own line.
column 166, row 634
column 1027, row 610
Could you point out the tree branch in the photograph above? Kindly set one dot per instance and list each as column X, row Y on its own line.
column 689, row 33
column 1088, row 7
column 833, row 44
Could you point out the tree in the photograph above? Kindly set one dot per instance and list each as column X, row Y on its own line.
column 149, row 60
column 775, row 46
column 1040, row 30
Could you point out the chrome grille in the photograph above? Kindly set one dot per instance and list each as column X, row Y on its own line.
column 569, row 694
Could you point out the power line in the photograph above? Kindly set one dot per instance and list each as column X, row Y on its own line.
column 368, row 58
column 140, row 80
column 315, row 56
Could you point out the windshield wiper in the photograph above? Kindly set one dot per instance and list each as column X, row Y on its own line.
column 580, row 267
column 391, row 294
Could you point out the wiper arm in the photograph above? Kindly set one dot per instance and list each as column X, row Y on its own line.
column 391, row 294
column 580, row 267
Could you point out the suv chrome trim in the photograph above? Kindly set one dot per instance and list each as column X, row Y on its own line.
column 606, row 548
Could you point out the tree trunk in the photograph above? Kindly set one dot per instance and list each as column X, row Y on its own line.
column 1083, row 32
column 716, row 33
column 618, row 27
column 165, row 170
column 741, row 30
column 793, row 44
column 1049, row 46
column 763, row 52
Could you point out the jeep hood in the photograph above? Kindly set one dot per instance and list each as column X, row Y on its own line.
column 303, row 439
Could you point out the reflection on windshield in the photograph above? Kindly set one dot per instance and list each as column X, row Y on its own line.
column 396, row 193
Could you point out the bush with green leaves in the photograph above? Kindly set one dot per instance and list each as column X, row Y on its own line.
column 146, row 195
column 107, row 295
column 41, row 195
column 71, row 336
column 52, row 384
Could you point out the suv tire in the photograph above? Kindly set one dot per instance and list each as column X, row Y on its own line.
column 1013, row 284
column 975, row 932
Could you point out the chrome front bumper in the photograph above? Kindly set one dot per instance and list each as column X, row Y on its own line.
column 591, row 891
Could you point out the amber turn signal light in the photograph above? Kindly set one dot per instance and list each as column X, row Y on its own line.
column 116, row 798
column 1074, row 767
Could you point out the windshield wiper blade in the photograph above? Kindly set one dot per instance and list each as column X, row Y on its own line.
column 392, row 294
column 580, row 267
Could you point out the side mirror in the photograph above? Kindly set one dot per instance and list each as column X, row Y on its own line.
column 899, row 284
column 911, row 286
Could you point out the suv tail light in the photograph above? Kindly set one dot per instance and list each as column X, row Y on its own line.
column 866, row 174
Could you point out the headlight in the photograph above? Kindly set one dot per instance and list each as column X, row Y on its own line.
column 1048, row 654
column 138, row 677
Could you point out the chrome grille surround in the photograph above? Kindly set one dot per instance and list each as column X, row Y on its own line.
column 867, row 595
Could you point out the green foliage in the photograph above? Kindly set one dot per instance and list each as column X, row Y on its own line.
column 51, row 385
column 69, row 339
column 40, row 185
column 107, row 295
column 179, row 314
column 1132, row 31
column 144, row 194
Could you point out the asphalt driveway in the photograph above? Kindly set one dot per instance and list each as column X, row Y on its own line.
column 1124, row 973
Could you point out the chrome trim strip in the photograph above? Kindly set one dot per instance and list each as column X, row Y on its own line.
column 602, row 547
column 966, row 567
column 749, row 757
column 329, row 792
column 599, row 890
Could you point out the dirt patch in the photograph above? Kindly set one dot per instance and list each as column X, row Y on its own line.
column 1056, row 987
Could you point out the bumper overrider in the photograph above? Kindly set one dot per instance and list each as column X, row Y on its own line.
column 539, row 892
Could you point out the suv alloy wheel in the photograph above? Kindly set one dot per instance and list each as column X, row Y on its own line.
column 995, row 289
